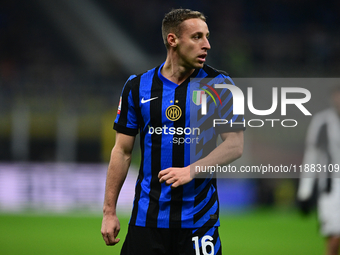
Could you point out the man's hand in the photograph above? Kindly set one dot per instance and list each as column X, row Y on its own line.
column 175, row 176
column 110, row 229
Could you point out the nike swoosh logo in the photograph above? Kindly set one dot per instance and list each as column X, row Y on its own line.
column 143, row 101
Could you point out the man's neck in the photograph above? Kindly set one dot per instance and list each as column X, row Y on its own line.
column 175, row 72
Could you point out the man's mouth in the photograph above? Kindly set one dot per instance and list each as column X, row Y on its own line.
column 202, row 57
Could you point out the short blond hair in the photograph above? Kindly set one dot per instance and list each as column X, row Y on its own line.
column 173, row 19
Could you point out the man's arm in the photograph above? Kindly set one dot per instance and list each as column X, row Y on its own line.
column 228, row 151
column 116, row 174
column 312, row 155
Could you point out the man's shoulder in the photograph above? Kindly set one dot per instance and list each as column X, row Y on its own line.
column 211, row 71
column 134, row 79
column 323, row 117
column 324, row 114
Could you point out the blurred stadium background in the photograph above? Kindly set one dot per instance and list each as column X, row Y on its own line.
column 62, row 67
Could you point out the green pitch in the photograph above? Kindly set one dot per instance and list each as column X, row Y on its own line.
column 253, row 233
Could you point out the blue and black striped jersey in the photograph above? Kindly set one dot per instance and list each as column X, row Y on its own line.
column 160, row 110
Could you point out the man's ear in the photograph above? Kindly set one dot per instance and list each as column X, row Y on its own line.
column 172, row 40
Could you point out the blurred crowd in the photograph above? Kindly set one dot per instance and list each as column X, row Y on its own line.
column 250, row 38
column 264, row 38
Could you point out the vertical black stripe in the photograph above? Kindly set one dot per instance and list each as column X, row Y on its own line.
column 135, row 96
column 155, row 121
column 178, row 158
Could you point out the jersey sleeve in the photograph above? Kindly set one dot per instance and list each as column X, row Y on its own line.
column 126, row 120
column 312, row 155
column 231, row 122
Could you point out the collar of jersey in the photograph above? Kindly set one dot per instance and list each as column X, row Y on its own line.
column 167, row 82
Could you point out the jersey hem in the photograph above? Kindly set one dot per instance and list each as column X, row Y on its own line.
column 217, row 224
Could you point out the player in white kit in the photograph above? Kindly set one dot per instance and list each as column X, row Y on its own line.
column 322, row 154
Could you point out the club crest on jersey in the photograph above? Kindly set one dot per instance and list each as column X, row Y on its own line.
column 173, row 112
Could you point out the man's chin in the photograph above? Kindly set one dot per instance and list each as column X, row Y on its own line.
column 199, row 65
column 196, row 65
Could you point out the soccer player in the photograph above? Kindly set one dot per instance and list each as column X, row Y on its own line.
column 173, row 213
column 323, row 153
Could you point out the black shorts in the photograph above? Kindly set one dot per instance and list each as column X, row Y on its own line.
column 174, row 241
